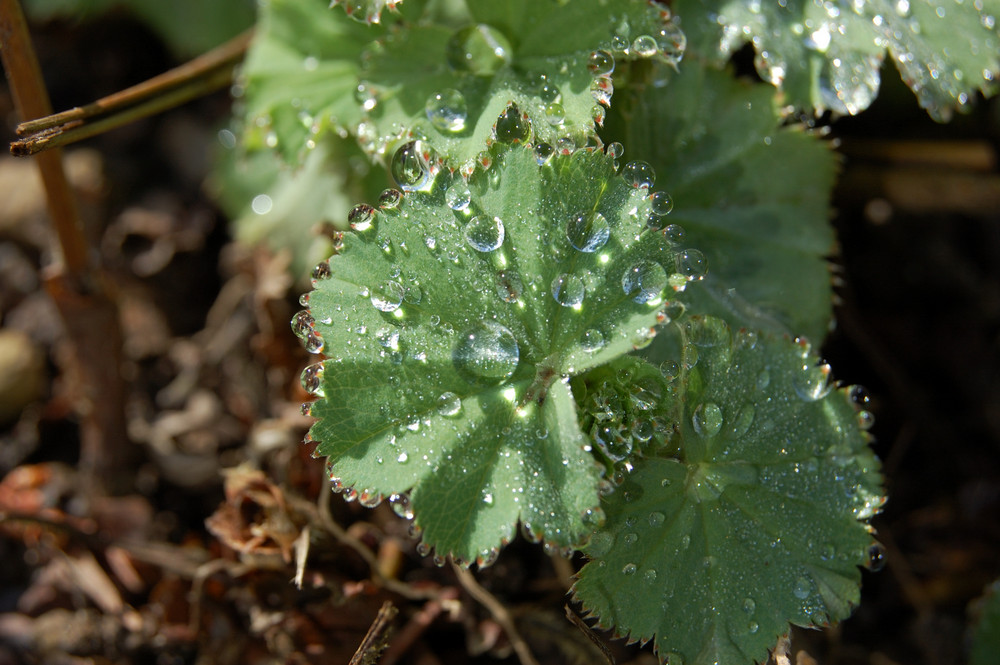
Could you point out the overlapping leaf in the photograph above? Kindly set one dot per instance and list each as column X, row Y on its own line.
column 453, row 320
column 827, row 55
column 293, row 209
column 449, row 83
column 752, row 194
column 759, row 520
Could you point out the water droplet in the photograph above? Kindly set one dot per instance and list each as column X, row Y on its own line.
column 449, row 404
column 645, row 281
column 865, row 419
column 555, row 114
column 306, row 409
column 743, row 420
column 630, row 538
column 707, row 419
column 568, row 290
column 543, row 153
column 458, row 196
column 656, row 519
column 639, row 174
column 674, row 234
column 447, row 111
column 763, row 379
column 487, row 497
column 629, row 569
column 876, row 557
column 685, row 541
column 601, row 63
column 811, row 382
column 649, row 575
column 661, row 204
column 390, row 199
column 478, row 49
column 313, row 343
column 321, row 271
column 401, row 505
column 803, row 587
column 509, row 286
column 411, row 167
column 692, row 264
column 486, row 352
column 302, row 323
column 512, row 126
column 672, row 42
column 615, row 150
column 388, row 296
column 749, row 606
column 403, row 458
column 827, row 552
column 312, row 379
column 674, row 658
column 645, row 46
column 753, row 626
column 591, row 340
column 484, row 234
column 600, row 544
column 588, row 231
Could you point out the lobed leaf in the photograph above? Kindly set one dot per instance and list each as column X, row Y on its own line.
column 449, row 83
column 752, row 193
column 828, row 55
column 453, row 318
column 759, row 520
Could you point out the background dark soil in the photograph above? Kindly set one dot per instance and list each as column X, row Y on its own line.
column 143, row 578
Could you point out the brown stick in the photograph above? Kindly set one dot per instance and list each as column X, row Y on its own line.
column 31, row 100
column 89, row 314
column 375, row 639
column 206, row 73
column 499, row 612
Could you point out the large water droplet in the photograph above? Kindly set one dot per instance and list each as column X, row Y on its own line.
column 543, row 153
column 661, row 204
column 401, row 505
column 692, row 264
column 312, row 379
column 811, row 382
column 388, row 296
column 410, row 166
column 390, row 199
column 447, row 111
column 601, row 63
column 707, row 419
column 645, row 46
column 457, row 196
column 591, row 340
column 486, row 353
column 361, row 217
column 802, row 588
column 479, row 49
column 588, row 231
column 512, row 126
column 644, row 281
column 639, row 174
column 568, row 290
column 656, row 519
column 484, row 234
column 449, row 404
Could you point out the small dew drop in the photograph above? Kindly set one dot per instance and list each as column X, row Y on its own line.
column 390, row 199
column 543, row 153
column 707, row 419
column 601, row 63
column 361, row 217
column 661, row 204
column 447, row 111
column 410, row 166
column 322, row 271
column 876, row 557
column 312, row 379
column 656, row 519
column 457, row 196
column 692, row 264
column 629, row 569
column 803, row 587
column 568, row 290
column 649, row 575
column 645, row 46
column 591, row 340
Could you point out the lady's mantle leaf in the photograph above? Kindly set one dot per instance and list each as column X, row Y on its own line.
column 453, row 318
column 986, row 637
column 827, row 55
column 753, row 194
column 449, row 83
column 760, row 520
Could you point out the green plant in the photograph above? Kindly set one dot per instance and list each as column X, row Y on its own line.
column 527, row 331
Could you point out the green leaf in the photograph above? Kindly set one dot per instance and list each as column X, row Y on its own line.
column 189, row 27
column 269, row 202
column 828, row 55
column 751, row 193
column 986, row 635
column 449, row 83
column 759, row 520
column 450, row 342
column 301, row 75
column 366, row 11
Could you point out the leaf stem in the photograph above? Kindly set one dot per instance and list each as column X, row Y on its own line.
column 206, row 73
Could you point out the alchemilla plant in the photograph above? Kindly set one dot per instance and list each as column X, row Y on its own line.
column 584, row 307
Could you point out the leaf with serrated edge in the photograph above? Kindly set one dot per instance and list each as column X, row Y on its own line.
column 752, row 194
column 366, row 11
column 411, row 68
column 828, row 55
column 759, row 521
column 513, row 449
